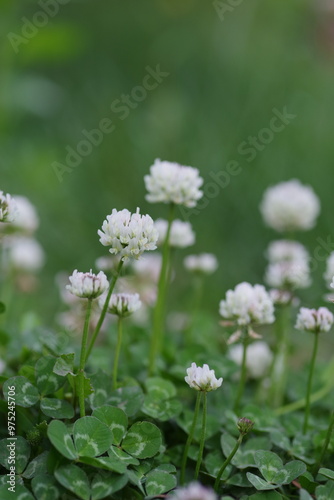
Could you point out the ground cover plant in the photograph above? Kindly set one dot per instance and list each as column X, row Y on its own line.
column 128, row 401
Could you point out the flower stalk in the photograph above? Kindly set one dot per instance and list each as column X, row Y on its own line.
column 190, row 438
column 118, row 350
column 243, row 375
column 104, row 309
column 325, row 446
column 81, row 374
column 203, row 432
column 158, row 315
column 309, row 383
column 227, row 461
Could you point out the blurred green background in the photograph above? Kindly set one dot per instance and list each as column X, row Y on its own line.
column 227, row 71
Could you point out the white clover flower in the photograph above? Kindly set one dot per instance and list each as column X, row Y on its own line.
column 314, row 320
column 290, row 206
column 88, row 285
column 122, row 304
column 148, row 267
column 248, row 304
column 8, row 208
column 181, row 235
column 329, row 274
column 25, row 253
column 288, row 265
column 282, row 297
column 288, row 274
column 202, row 379
column 173, row 183
column 258, row 358
column 128, row 235
column 287, row 250
column 205, row 263
column 194, row 491
column 27, row 219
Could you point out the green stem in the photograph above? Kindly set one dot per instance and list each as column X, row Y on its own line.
column 227, row 461
column 190, row 438
column 309, row 383
column 203, row 432
column 279, row 366
column 158, row 315
column 83, row 360
column 118, row 350
column 104, row 309
column 242, row 380
column 325, row 446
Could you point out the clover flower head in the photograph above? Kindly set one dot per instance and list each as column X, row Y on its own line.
column 286, row 250
column 87, row 285
column 25, row 253
column 289, row 265
column 314, row 320
column 173, row 183
column 290, row 206
column 181, row 234
column 245, row 425
column 194, row 491
column 122, row 304
column 27, row 219
column 8, row 208
column 205, row 263
column 258, row 358
column 128, row 235
column 248, row 304
column 202, row 378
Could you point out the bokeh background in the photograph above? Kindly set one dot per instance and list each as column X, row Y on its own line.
column 228, row 68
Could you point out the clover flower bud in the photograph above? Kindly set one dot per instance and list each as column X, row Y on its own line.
column 128, row 235
column 122, row 304
column 8, row 208
column 181, row 234
column 290, row 206
column 205, row 263
column 245, row 425
column 173, row 183
column 87, row 285
column 202, row 379
column 313, row 320
column 194, row 491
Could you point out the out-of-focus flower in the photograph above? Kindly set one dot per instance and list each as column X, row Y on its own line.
column 286, row 250
column 27, row 219
column 329, row 274
column 148, row 267
column 258, row 358
column 288, row 274
column 288, row 265
column 173, row 183
column 122, row 304
column 290, row 206
column 25, row 253
column 194, row 491
column 248, row 304
column 283, row 297
column 314, row 320
column 205, row 263
column 202, row 379
column 181, row 235
column 128, row 235
column 8, row 208
column 88, row 285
